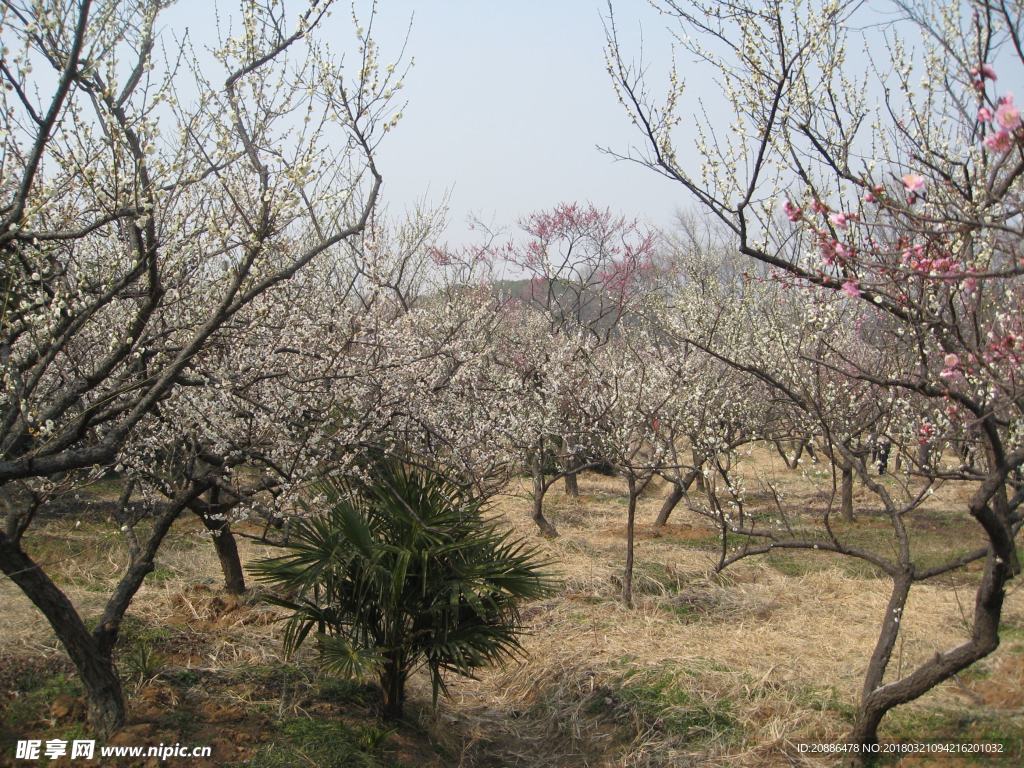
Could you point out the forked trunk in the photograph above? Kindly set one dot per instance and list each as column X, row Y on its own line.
column 990, row 508
column 794, row 462
column 546, row 528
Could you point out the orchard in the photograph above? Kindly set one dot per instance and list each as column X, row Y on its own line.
column 578, row 489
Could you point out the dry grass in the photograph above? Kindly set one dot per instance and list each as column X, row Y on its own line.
column 706, row 670
column 782, row 655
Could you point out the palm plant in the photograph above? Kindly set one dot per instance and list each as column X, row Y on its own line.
column 400, row 571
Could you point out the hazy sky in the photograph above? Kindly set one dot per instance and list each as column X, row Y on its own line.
column 508, row 102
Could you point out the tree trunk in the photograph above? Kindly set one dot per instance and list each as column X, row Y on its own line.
column 924, row 455
column 677, row 494
column 809, row 449
column 546, row 528
column 799, row 449
column 878, row 699
column 392, row 686
column 104, row 696
column 572, row 486
column 990, row 508
column 227, row 552
column 215, row 519
column 627, row 578
column 698, row 462
column 671, row 501
column 847, row 492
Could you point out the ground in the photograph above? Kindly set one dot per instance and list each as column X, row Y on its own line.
column 736, row 669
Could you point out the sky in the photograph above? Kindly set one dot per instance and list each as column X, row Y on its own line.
column 508, row 101
column 507, row 105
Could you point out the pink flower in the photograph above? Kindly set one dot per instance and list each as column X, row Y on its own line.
column 985, row 71
column 792, row 212
column 951, row 363
column 819, row 207
column 914, row 183
column 1007, row 115
column 925, row 433
column 850, row 289
column 840, row 220
column 984, row 115
column 439, row 256
column 1000, row 141
column 827, row 249
column 869, row 197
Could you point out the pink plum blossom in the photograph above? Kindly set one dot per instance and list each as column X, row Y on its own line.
column 840, row 220
column 1007, row 115
column 1000, row 141
column 833, row 252
column 985, row 72
column 913, row 183
column 984, row 115
column 793, row 213
column 951, row 363
column 850, row 289
column 925, row 433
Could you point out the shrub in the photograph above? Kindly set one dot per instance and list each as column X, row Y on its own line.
column 400, row 571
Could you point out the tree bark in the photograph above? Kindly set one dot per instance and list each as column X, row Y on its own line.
column 677, row 494
column 572, row 486
column 878, row 699
column 798, row 450
column 539, row 489
column 227, row 553
column 671, row 502
column 104, row 696
column 215, row 519
column 847, row 491
column 627, row 577
column 698, row 462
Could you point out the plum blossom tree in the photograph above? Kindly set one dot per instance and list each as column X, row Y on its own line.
column 907, row 211
column 637, row 379
column 272, row 403
column 587, row 271
column 137, row 223
column 716, row 410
